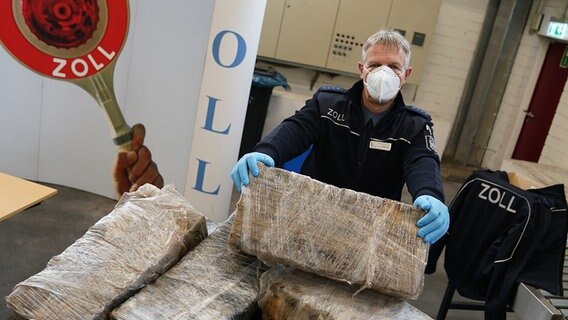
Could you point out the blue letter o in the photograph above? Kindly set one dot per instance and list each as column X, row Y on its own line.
column 241, row 49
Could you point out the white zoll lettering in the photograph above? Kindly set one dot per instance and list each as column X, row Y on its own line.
column 57, row 71
column 98, row 66
column 81, row 67
column 497, row 196
column 82, row 71
column 335, row 115
column 109, row 56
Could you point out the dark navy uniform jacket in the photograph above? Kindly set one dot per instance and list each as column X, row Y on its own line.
column 501, row 235
column 349, row 153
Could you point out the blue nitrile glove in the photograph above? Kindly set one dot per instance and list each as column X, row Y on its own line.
column 248, row 163
column 436, row 222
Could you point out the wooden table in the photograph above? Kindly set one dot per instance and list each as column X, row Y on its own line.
column 17, row 194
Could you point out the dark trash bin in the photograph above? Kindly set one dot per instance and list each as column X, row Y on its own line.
column 264, row 80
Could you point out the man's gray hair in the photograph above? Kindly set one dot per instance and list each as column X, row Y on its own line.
column 390, row 38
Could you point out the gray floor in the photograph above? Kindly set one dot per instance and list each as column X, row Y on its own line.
column 29, row 239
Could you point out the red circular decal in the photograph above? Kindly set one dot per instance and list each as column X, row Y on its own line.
column 64, row 39
column 62, row 24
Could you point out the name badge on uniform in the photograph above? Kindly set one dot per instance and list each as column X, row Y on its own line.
column 380, row 145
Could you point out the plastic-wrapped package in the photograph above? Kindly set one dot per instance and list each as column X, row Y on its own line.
column 213, row 281
column 147, row 232
column 291, row 219
column 291, row 294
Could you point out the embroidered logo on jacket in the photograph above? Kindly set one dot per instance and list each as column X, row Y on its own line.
column 497, row 196
column 430, row 141
column 335, row 115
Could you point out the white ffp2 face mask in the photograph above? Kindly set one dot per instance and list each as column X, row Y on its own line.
column 382, row 84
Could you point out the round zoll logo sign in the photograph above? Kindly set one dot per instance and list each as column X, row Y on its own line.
column 64, row 39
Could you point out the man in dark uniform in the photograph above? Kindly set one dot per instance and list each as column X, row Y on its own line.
column 364, row 138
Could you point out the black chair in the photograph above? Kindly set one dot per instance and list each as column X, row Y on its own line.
column 498, row 232
column 448, row 303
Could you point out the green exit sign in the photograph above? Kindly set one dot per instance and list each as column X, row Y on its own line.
column 557, row 29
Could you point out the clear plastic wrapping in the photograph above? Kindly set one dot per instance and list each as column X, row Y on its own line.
column 213, row 281
column 291, row 219
column 291, row 294
column 146, row 233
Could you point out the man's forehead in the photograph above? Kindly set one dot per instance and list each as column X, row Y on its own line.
column 381, row 52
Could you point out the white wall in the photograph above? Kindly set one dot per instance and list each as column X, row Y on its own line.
column 54, row 132
column 20, row 104
column 453, row 47
column 555, row 151
column 517, row 96
column 451, row 54
column 165, row 77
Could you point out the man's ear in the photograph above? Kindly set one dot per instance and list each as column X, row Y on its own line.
column 361, row 66
column 407, row 73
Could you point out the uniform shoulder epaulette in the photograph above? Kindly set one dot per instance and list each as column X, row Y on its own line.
column 419, row 111
column 332, row 89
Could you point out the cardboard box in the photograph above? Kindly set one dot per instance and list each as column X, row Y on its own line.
column 523, row 182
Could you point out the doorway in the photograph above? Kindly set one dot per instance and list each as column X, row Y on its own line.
column 541, row 110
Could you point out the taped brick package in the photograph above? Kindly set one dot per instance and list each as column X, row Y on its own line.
column 291, row 294
column 213, row 281
column 147, row 232
column 290, row 219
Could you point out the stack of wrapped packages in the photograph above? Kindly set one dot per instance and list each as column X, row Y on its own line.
column 147, row 232
column 211, row 282
column 286, row 293
column 353, row 238
column 323, row 244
